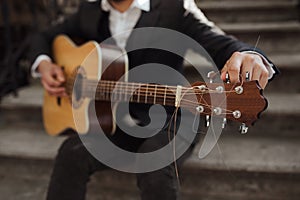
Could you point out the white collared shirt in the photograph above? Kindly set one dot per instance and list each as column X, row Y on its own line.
column 121, row 24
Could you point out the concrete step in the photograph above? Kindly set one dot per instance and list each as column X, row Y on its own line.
column 23, row 111
column 275, row 37
column 249, row 11
column 287, row 81
column 247, row 163
column 241, row 167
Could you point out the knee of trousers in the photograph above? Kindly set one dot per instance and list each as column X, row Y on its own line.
column 164, row 179
column 73, row 153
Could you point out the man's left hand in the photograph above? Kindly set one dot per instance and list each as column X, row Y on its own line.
column 241, row 63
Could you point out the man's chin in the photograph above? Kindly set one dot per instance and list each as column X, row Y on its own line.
column 117, row 1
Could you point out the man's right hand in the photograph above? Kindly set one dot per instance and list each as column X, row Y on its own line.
column 52, row 78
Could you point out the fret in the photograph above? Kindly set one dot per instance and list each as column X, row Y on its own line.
column 126, row 92
column 107, row 91
column 102, row 93
column 155, row 91
column 165, row 95
column 114, row 89
column 146, row 95
column 110, row 95
column 103, row 88
column 119, row 92
column 139, row 91
column 132, row 92
column 110, row 91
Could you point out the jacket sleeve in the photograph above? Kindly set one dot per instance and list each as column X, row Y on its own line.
column 218, row 45
column 42, row 41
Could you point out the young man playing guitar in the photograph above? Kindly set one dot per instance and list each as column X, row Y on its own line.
column 99, row 20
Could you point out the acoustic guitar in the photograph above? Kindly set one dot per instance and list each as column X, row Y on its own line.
column 97, row 74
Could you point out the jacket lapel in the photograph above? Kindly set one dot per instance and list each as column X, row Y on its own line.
column 91, row 17
column 96, row 25
column 147, row 19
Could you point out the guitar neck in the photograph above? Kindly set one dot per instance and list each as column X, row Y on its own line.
column 132, row 92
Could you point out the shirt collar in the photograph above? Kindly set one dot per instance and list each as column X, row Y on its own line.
column 141, row 4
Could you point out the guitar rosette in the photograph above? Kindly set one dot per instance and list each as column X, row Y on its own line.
column 146, row 102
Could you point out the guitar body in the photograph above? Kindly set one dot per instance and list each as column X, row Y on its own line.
column 88, row 62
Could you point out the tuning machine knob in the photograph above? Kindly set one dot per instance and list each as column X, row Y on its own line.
column 207, row 120
column 247, row 76
column 227, row 78
column 224, row 123
column 243, row 128
column 211, row 76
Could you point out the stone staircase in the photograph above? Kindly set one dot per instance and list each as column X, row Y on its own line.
column 262, row 165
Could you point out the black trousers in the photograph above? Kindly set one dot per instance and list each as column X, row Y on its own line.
column 74, row 165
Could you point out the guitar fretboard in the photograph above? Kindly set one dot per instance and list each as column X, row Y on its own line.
column 132, row 92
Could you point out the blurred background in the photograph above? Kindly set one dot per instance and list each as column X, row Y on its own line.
column 263, row 164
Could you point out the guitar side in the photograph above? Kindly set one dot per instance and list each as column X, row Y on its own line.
column 58, row 112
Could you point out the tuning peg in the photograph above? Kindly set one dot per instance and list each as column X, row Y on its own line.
column 243, row 128
column 247, row 76
column 224, row 123
column 207, row 121
column 227, row 78
column 211, row 76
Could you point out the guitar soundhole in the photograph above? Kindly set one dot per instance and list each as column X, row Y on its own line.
column 78, row 87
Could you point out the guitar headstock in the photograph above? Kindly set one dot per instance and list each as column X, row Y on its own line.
column 242, row 102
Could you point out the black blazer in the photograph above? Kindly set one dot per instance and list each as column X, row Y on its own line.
column 91, row 23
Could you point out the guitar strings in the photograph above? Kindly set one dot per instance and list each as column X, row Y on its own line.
column 174, row 116
column 141, row 91
column 124, row 88
column 170, row 101
column 127, row 84
column 113, row 89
